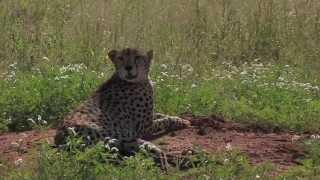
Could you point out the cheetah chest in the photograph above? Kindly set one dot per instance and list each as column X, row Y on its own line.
column 129, row 109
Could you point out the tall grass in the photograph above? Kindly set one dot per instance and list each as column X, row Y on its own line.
column 199, row 32
column 253, row 60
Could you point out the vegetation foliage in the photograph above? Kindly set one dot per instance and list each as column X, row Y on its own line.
column 252, row 61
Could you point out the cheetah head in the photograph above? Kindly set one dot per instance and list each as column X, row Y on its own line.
column 131, row 65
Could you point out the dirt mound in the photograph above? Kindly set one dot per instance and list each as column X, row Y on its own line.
column 215, row 135
column 15, row 146
column 210, row 133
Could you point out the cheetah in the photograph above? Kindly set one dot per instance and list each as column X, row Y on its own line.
column 121, row 111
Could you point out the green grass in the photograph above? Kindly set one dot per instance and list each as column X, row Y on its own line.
column 272, row 97
column 96, row 163
column 251, row 61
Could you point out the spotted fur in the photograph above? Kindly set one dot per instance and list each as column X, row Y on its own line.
column 122, row 107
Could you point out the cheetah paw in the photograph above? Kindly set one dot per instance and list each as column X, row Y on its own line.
column 112, row 145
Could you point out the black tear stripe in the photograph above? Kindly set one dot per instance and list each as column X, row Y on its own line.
column 136, row 64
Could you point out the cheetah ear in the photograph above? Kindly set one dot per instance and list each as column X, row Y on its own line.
column 150, row 54
column 112, row 54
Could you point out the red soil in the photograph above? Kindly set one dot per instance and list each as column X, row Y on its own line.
column 212, row 134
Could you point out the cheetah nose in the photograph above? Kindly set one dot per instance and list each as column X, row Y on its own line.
column 128, row 68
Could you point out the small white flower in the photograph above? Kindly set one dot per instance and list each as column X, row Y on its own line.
column 13, row 65
column 9, row 119
column 101, row 74
column 64, row 77
column 187, row 68
column 164, row 73
column 206, row 177
column 228, row 147
column 164, row 66
column 295, row 138
column 308, row 100
column 257, row 176
column 193, row 85
column 315, row 136
column 45, row 58
column 244, row 72
column 72, row 130
column 31, row 120
column 15, row 145
column 18, row 162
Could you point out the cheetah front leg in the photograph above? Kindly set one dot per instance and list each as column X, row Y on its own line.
column 164, row 123
column 139, row 144
column 111, row 144
column 154, row 150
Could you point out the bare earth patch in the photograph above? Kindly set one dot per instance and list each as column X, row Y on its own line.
column 213, row 135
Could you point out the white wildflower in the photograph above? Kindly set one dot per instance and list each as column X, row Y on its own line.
column 31, row 120
column 101, row 75
column 308, row 100
column 316, row 88
column 244, row 72
column 72, row 130
column 315, row 136
column 164, row 73
column 64, row 77
column 24, row 135
column 15, row 145
column 164, row 66
column 13, row 65
column 187, row 68
column 295, row 138
column 206, row 177
column 45, row 58
column 228, row 147
column 18, row 162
